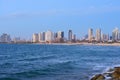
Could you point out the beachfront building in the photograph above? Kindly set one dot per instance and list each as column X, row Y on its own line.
column 73, row 37
column 43, row 36
column 115, row 34
column 55, row 35
column 90, row 34
column 35, row 38
column 70, row 35
column 49, row 36
column 60, row 34
column 40, row 36
column 119, row 36
column 105, row 37
column 98, row 35
column 5, row 38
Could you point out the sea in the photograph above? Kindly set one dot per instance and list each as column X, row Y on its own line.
column 55, row 62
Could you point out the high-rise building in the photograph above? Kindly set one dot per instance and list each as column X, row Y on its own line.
column 70, row 35
column 90, row 34
column 43, row 36
column 55, row 35
column 49, row 36
column 119, row 36
column 35, row 38
column 74, row 37
column 40, row 35
column 115, row 34
column 60, row 34
column 104, row 37
column 98, row 35
column 5, row 38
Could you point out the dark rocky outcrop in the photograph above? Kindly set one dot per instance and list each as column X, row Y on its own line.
column 98, row 77
column 111, row 74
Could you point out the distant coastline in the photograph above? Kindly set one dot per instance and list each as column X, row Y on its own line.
column 81, row 43
column 90, row 44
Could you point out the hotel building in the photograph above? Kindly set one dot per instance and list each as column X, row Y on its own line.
column 90, row 34
column 115, row 34
column 98, row 35
column 49, row 36
column 35, row 38
column 70, row 34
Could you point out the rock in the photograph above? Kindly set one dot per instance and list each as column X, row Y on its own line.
column 112, row 74
column 116, row 74
column 117, row 69
column 98, row 77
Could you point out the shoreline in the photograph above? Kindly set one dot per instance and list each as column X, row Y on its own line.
column 82, row 43
column 86, row 44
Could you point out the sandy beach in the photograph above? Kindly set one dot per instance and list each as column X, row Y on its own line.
column 84, row 43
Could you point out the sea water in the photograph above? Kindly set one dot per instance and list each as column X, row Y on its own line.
column 55, row 62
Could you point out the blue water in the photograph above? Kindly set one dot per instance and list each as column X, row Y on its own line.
column 55, row 62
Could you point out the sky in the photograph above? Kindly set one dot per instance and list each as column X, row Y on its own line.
column 25, row 17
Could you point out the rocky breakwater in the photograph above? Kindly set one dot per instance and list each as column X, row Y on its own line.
column 111, row 74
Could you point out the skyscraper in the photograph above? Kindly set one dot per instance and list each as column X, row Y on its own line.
column 104, row 37
column 40, row 35
column 70, row 35
column 55, row 36
column 90, row 34
column 74, row 37
column 35, row 38
column 48, row 36
column 43, row 36
column 119, row 36
column 98, row 35
column 5, row 38
column 60, row 34
column 115, row 34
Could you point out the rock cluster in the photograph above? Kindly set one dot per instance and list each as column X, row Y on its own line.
column 98, row 77
column 112, row 74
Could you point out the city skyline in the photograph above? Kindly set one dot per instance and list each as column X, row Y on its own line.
column 25, row 17
column 66, row 33
column 59, row 36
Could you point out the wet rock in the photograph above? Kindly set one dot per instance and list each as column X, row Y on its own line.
column 98, row 77
column 111, row 74
column 116, row 74
column 117, row 69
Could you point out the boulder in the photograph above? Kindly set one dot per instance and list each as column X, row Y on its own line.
column 112, row 74
column 116, row 74
column 117, row 69
column 98, row 77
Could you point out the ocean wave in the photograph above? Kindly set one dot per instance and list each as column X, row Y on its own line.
column 38, row 58
column 9, row 78
column 60, row 68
